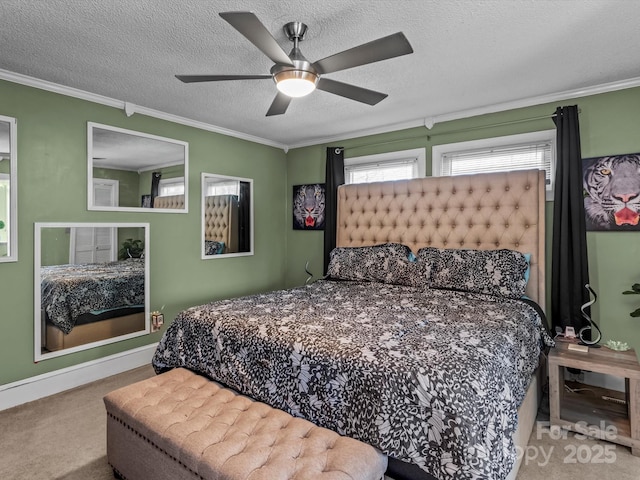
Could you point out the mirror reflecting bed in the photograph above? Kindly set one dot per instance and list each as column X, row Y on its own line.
column 8, row 197
column 135, row 171
column 91, row 285
column 227, row 216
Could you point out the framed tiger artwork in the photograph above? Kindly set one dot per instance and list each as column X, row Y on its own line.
column 308, row 206
column 611, row 187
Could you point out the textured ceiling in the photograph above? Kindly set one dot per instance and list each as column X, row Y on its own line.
column 467, row 55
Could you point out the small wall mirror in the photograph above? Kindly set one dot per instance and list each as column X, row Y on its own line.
column 91, row 285
column 8, row 191
column 134, row 171
column 227, row 216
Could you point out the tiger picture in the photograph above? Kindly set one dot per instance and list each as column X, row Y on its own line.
column 308, row 206
column 611, row 187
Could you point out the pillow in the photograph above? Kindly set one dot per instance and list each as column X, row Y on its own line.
column 495, row 272
column 386, row 263
column 212, row 247
column 527, row 273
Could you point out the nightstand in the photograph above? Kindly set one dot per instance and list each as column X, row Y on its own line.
column 591, row 414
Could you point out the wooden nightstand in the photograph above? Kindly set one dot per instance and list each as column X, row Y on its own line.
column 590, row 414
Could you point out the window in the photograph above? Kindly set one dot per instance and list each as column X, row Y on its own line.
column 498, row 154
column 400, row 165
column 230, row 187
column 171, row 186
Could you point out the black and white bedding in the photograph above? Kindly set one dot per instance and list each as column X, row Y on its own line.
column 69, row 291
column 431, row 377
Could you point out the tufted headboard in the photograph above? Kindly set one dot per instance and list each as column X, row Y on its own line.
column 484, row 211
column 169, row 201
column 221, row 220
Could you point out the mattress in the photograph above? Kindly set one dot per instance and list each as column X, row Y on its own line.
column 430, row 377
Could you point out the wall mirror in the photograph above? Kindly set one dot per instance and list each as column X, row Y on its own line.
column 91, row 285
column 8, row 191
column 227, row 216
column 134, row 171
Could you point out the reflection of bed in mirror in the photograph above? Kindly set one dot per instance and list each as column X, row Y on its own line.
column 126, row 166
column 169, row 201
column 226, row 216
column 91, row 302
column 91, row 285
column 220, row 224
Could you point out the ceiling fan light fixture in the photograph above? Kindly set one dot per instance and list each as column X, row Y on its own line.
column 296, row 83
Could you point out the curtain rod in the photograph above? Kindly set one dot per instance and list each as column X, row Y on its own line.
column 460, row 130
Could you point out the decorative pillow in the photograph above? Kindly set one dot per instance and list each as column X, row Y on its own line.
column 496, row 272
column 212, row 247
column 386, row 263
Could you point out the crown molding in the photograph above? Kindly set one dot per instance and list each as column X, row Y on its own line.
column 429, row 121
column 130, row 108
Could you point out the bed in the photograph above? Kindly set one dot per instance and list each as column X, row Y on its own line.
column 441, row 376
column 220, row 224
column 83, row 303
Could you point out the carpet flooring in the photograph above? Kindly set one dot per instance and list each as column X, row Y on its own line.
column 63, row 437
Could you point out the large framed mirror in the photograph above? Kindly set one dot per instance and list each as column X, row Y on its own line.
column 135, row 171
column 227, row 216
column 8, row 190
column 91, row 285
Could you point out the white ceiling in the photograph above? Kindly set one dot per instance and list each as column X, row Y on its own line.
column 468, row 55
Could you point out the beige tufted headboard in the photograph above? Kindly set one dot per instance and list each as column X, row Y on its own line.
column 169, row 201
column 485, row 211
column 221, row 220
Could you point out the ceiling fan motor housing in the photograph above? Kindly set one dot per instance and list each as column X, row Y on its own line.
column 302, row 68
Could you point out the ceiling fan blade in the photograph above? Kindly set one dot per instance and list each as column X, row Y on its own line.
column 392, row 46
column 352, row 92
column 217, row 78
column 279, row 105
column 249, row 26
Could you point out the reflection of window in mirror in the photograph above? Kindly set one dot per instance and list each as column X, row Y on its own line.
column 8, row 197
column 227, row 216
column 147, row 171
column 91, row 286
column 171, row 186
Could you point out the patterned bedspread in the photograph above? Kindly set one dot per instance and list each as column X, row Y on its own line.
column 431, row 377
column 68, row 291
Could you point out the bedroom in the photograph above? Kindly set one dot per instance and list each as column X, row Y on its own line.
column 52, row 188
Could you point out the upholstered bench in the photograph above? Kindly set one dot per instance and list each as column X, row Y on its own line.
column 180, row 425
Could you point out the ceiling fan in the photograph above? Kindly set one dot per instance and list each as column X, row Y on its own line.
column 294, row 75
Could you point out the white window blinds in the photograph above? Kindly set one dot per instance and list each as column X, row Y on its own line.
column 223, row 188
column 498, row 159
column 381, row 171
column 171, row 186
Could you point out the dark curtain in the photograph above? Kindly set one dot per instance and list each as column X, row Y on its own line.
column 569, row 267
column 155, row 182
column 333, row 179
column 244, row 218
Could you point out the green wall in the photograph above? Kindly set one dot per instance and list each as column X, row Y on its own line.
column 128, row 185
column 608, row 125
column 52, row 187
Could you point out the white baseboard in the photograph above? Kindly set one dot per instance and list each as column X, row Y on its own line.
column 33, row 388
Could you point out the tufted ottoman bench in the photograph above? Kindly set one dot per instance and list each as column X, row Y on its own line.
column 180, row 425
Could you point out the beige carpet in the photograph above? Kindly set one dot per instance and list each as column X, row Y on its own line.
column 63, row 437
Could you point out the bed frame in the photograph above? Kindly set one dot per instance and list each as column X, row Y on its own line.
column 484, row 211
column 55, row 339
